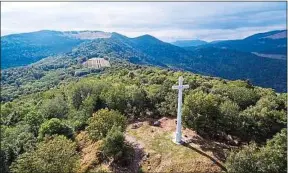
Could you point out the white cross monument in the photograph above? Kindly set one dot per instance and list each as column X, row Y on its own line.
column 179, row 87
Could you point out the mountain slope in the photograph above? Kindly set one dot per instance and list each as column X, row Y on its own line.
column 210, row 59
column 231, row 64
column 23, row 49
column 225, row 63
column 188, row 43
column 160, row 51
column 274, row 42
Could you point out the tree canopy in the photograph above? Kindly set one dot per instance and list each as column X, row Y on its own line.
column 101, row 103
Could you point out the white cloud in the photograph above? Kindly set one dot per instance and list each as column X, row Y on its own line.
column 165, row 20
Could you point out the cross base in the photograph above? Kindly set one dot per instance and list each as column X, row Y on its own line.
column 177, row 141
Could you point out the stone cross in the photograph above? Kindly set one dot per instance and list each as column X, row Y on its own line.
column 179, row 87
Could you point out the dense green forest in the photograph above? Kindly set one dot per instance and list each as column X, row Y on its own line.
column 23, row 49
column 47, row 106
column 273, row 42
column 39, row 127
column 231, row 59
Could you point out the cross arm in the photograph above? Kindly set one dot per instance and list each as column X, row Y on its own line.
column 185, row 86
column 180, row 87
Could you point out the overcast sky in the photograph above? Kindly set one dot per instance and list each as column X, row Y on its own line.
column 167, row 21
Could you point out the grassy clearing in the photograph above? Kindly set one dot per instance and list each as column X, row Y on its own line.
column 166, row 156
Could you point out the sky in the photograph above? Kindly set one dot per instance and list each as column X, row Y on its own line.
column 168, row 21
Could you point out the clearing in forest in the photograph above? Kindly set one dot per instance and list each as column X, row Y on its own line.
column 155, row 151
column 158, row 153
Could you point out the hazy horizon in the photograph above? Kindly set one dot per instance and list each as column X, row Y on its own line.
column 136, row 36
column 167, row 21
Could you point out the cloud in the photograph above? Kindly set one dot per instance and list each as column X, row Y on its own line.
column 165, row 20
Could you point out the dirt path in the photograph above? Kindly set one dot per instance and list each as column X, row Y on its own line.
column 138, row 155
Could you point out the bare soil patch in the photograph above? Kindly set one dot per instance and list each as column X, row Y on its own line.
column 162, row 155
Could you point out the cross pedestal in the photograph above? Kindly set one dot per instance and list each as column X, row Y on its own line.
column 180, row 87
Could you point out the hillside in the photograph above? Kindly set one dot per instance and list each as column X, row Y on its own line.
column 160, row 51
column 225, row 63
column 269, row 43
column 189, row 43
column 91, row 120
column 231, row 64
column 210, row 59
column 27, row 48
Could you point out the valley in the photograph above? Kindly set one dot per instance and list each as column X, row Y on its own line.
column 226, row 59
column 97, row 98
column 143, row 87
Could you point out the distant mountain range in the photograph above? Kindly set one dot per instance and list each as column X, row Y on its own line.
column 261, row 58
column 26, row 48
column 270, row 44
column 188, row 43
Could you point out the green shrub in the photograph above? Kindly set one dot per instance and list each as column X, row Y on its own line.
column 54, row 108
column 114, row 146
column 137, row 102
column 115, row 97
column 89, row 91
column 229, row 122
column 103, row 121
column 244, row 161
column 57, row 155
column 77, row 119
column 243, row 96
column 34, row 120
column 261, row 121
column 15, row 141
column 271, row 158
column 201, row 112
column 54, row 126
column 274, row 154
column 114, row 142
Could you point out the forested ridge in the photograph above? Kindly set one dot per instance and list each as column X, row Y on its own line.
column 231, row 59
column 55, row 109
column 23, row 49
column 101, row 103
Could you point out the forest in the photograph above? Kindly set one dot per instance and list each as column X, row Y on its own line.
column 40, row 127
column 233, row 59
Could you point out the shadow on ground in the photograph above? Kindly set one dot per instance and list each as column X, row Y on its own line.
column 206, row 155
column 218, row 149
column 133, row 164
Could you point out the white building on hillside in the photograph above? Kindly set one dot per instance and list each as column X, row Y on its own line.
column 96, row 63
